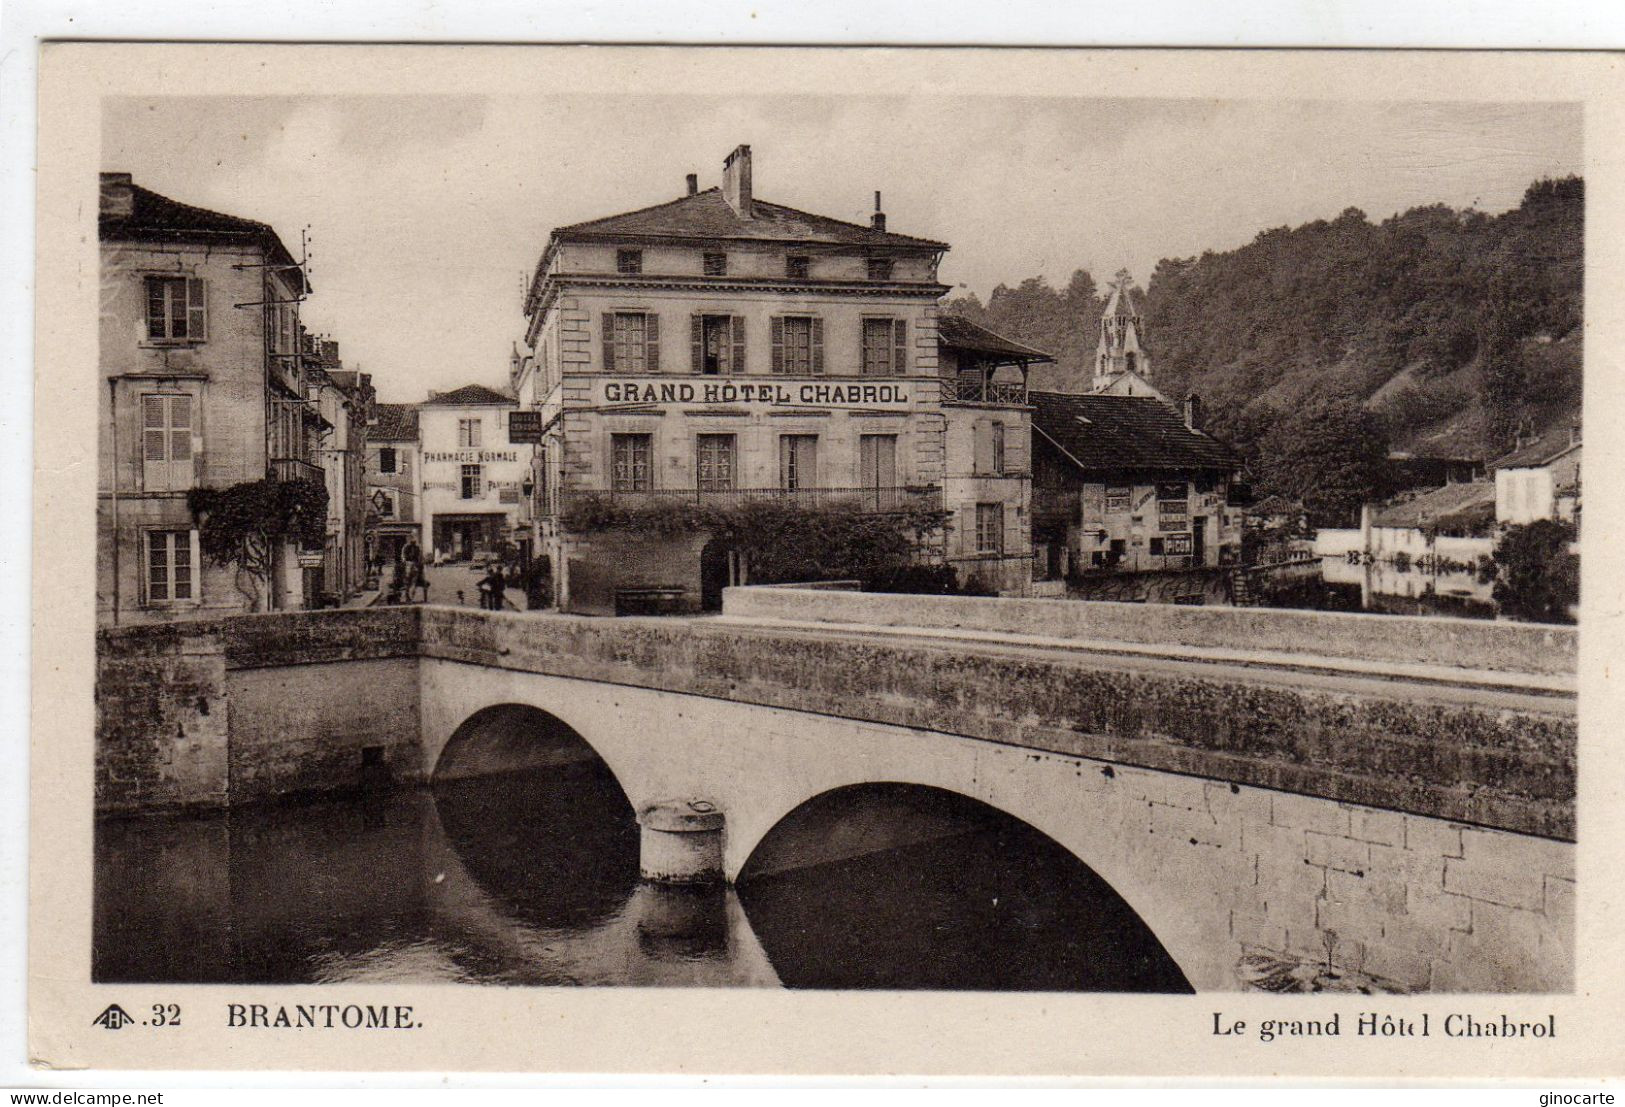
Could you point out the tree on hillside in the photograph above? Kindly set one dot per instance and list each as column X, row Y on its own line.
column 1331, row 457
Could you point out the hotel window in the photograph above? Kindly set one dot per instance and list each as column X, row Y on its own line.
column 885, row 347
column 997, row 432
column 798, row 268
column 628, row 261
column 166, row 443
column 176, row 309
column 877, row 471
column 472, row 486
column 630, row 467
column 386, row 459
column 171, row 560
column 716, row 265
column 798, row 345
column 385, row 503
column 468, row 434
column 1156, row 547
column 631, row 342
column 717, row 344
column 880, row 269
column 990, row 528
column 714, row 462
column 798, row 461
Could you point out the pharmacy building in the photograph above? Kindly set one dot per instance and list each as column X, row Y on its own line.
column 720, row 349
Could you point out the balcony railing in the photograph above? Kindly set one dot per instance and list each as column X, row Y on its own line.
column 291, row 468
column 964, row 390
column 863, row 500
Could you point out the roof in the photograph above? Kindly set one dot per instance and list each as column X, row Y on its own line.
column 962, row 334
column 394, row 423
column 468, row 395
column 1102, row 433
column 1464, row 504
column 1115, row 303
column 158, row 218
column 1542, row 451
column 708, row 215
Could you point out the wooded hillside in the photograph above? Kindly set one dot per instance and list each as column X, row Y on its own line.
column 1454, row 327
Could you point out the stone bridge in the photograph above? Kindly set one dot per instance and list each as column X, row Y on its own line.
column 1384, row 795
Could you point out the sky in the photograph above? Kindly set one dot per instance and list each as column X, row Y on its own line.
column 427, row 213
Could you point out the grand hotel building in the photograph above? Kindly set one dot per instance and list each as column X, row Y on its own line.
column 720, row 347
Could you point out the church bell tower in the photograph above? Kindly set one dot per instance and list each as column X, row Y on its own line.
column 1120, row 357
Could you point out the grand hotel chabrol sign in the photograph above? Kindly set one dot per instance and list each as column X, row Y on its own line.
column 891, row 395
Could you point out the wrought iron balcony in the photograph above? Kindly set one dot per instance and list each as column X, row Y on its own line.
column 967, row 390
column 292, row 468
column 862, row 500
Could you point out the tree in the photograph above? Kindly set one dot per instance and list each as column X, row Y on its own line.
column 1537, row 577
column 1331, row 457
column 242, row 526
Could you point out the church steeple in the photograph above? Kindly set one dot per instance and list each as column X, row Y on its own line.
column 1120, row 352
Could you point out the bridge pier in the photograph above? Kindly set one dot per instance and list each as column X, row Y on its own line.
column 680, row 842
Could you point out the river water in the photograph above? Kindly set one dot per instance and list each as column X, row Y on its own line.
column 532, row 879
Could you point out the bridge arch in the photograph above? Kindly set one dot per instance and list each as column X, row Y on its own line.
column 1061, row 925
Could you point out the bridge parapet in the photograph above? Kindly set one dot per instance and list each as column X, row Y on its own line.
column 1469, row 644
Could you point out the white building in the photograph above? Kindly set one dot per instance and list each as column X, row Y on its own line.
column 1540, row 479
column 471, row 476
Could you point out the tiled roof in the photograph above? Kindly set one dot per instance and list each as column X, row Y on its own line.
column 1114, row 433
column 708, row 215
column 158, row 218
column 1542, row 451
column 394, row 423
column 469, row 394
column 962, row 334
column 1463, row 504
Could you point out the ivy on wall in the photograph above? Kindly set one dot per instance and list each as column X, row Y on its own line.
column 242, row 526
column 784, row 541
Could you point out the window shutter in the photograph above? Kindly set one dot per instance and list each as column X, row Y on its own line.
column 784, row 461
column 736, row 364
column 982, row 453
column 155, row 308
column 900, row 346
column 696, row 344
column 154, row 434
column 777, row 327
column 180, row 442
column 817, row 345
column 609, row 340
column 651, row 336
column 869, row 461
column 197, row 310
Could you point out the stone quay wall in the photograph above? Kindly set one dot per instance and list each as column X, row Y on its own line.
column 211, row 712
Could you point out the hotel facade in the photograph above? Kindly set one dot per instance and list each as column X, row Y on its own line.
column 720, row 348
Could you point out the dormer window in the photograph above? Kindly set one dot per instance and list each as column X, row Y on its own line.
column 628, row 261
column 880, row 269
column 797, row 267
column 716, row 265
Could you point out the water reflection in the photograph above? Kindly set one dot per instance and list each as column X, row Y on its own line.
column 532, row 879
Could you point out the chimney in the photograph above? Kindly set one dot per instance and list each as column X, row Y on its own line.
column 736, row 182
column 693, row 183
column 118, row 196
column 1193, row 412
column 878, row 220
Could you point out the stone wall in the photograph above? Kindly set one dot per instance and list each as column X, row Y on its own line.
column 161, row 718
column 213, row 712
column 1461, row 643
column 1492, row 757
